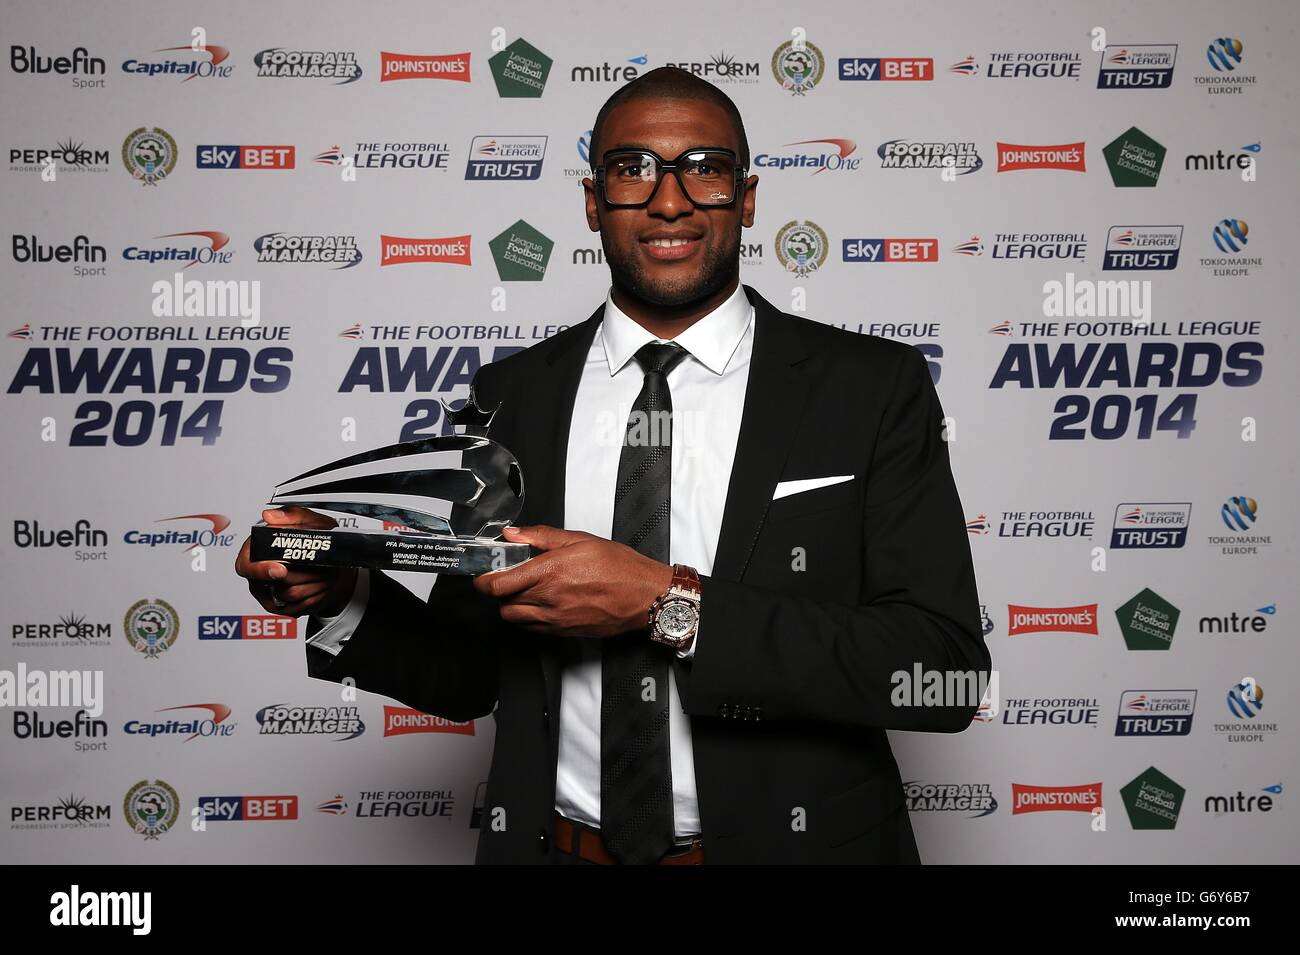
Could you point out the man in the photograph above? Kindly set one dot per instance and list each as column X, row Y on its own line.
column 699, row 668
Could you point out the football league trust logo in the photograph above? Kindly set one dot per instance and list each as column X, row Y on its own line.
column 149, row 155
column 1137, row 67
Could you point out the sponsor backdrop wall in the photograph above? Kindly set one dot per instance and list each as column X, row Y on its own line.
column 1090, row 236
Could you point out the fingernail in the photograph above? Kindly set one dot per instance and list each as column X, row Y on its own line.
column 279, row 571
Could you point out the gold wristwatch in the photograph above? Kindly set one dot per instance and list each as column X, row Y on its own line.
column 675, row 615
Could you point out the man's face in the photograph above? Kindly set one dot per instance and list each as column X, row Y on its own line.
column 662, row 274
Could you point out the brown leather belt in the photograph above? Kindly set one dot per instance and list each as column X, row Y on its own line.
column 592, row 848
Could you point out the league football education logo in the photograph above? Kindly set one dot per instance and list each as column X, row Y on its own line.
column 151, row 627
column 801, row 247
column 1147, row 621
column 1134, row 159
column 1152, row 800
column 151, row 808
column 521, row 253
column 520, row 70
column 149, row 155
column 798, row 68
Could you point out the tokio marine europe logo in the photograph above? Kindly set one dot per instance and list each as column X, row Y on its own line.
column 149, row 155
column 151, row 627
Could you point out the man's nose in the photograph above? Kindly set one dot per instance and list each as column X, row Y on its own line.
column 669, row 200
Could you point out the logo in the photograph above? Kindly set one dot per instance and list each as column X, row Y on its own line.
column 798, row 67
column 208, row 253
column 149, row 155
column 505, row 157
column 72, row 630
column 520, row 253
column 607, row 72
column 1060, row 711
column 1230, row 235
column 244, row 157
column 1022, row 65
column 28, row 724
column 1155, row 713
column 151, row 627
column 801, row 247
column 886, row 69
column 1152, row 800
column 282, row 249
column 974, row 800
column 429, row 803
column 1147, row 621
column 1036, row 524
column 1134, row 159
column 67, row 157
column 1084, row 798
column 1022, row 620
column 902, row 154
column 248, row 627
column 398, row 251
column 1224, row 54
column 1140, row 526
column 891, row 250
column 836, row 155
column 1068, row 156
column 184, row 65
column 279, row 63
column 151, row 808
column 25, row 59
column 520, row 70
column 965, row 67
column 1239, row 513
column 413, row 66
column 1038, row 245
column 389, row 156
column 1243, row 158
column 724, row 68
column 986, row 620
column 82, row 534
column 210, row 537
column 280, row 719
column 248, row 808
column 972, row 247
column 1246, row 699
column 1144, row 248
column 1137, row 67
column 1235, row 623
column 401, row 720
column 70, row 812
column 207, row 726
column 1222, row 805
column 338, row 806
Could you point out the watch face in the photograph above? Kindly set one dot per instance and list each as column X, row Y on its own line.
column 677, row 619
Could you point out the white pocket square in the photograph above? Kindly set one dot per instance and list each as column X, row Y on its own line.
column 786, row 488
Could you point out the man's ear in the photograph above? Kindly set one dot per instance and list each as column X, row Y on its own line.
column 747, row 204
column 593, row 220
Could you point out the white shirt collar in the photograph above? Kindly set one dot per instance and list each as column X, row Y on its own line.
column 711, row 341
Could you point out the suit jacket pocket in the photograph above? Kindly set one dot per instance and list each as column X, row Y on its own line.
column 850, row 813
column 830, row 497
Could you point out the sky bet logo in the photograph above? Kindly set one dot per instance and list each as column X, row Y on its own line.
column 248, row 627
column 244, row 157
column 891, row 250
column 894, row 68
column 249, row 808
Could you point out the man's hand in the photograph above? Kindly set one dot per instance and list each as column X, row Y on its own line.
column 321, row 591
column 580, row 586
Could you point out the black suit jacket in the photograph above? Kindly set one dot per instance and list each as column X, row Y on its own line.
column 789, row 691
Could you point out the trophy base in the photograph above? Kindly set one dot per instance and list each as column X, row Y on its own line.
column 383, row 550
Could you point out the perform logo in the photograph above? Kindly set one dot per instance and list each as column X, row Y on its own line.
column 1084, row 798
column 1022, row 620
column 412, row 66
column 891, row 250
column 1146, row 66
column 1155, row 713
column 244, row 157
column 1144, row 248
column 886, row 69
column 453, row 250
column 505, row 157
column 1067, row 156
column 249, row 808
column 1151, row 525
column 248, row 627
column 401, row 720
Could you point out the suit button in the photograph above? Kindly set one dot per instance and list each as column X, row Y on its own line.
column 543, row 841
column 546, row 716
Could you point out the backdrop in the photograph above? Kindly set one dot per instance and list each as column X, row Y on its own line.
column 249, row 238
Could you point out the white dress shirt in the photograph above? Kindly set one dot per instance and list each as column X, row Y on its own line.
column 708, row 396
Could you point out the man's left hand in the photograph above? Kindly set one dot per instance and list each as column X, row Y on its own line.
column 579, row 586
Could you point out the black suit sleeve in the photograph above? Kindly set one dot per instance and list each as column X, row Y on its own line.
column 799, row 659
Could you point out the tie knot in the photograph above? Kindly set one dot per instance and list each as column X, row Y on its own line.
column 661, row 357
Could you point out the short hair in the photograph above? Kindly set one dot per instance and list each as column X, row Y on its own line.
column 668, row 82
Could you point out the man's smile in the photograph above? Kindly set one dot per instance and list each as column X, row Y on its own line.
column 668, row 246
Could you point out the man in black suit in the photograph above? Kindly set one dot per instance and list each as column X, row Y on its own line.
column 702, row 666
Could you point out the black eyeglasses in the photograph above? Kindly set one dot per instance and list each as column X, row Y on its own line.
column 708, row 176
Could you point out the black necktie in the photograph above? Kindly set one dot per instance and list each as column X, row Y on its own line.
column 636, row 786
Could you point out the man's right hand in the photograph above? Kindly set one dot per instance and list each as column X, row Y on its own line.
column 319, row 591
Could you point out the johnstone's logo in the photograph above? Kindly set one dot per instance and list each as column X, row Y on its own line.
column 189, row 62
column 248, row 627
column 907, row 154
column 973, row 800
column 505, row 157
column 1084, row 798
column 453, row 250
column 828, row 155
column 244, row 157
column 212, row 724
column 280, row 248
column 1147, row 248
column 886, row 68
column 401, row 720
column 1022, row 620
column 194, row 248
column 279, row 63
column 413, row 66
column 1151, row 525
column 891, row 250
column 1067, row 156
column 1137, row 67
column 1155, row 713
column 280, row 719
